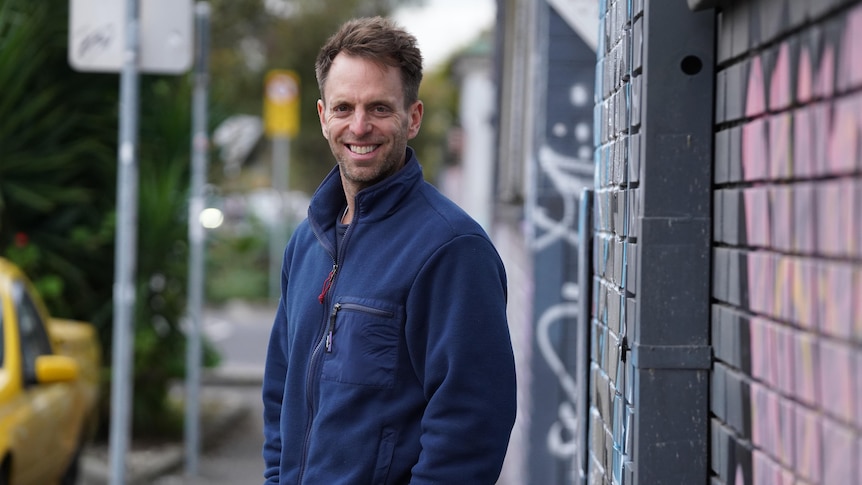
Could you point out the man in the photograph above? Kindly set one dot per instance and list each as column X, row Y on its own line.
column 390, row 360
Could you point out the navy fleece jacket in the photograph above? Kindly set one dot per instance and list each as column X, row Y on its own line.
column 390, row 361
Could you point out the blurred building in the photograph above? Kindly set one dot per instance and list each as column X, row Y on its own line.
column 469, row 180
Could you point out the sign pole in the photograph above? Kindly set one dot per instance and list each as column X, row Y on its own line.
column 281, row 123
column 152, row 37
column 197, row 238
column 278, row 237
column 125, row 251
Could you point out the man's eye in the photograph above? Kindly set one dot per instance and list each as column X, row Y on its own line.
column 381, row 109
column 340, row 109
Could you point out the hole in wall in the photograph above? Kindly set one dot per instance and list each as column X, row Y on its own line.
column 691, row 65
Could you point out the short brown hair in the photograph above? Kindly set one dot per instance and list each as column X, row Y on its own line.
column 376, row 39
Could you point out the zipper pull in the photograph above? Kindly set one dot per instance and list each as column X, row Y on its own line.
column 327, row 283
column 332, row 327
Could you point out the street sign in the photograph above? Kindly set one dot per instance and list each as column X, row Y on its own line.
column 281, row 103
column 97, row 33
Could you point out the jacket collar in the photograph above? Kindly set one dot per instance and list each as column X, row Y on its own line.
column 372, row 203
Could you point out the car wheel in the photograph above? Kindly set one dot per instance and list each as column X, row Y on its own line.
column 70, row 476
column 5, row 471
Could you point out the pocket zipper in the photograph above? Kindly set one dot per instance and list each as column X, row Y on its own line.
column 330, row 335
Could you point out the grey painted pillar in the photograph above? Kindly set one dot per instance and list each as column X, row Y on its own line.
column 670, row 350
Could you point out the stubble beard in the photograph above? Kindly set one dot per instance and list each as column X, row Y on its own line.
column 361, row 179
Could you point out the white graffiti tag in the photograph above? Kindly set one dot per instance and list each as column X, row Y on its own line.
column 569, row 176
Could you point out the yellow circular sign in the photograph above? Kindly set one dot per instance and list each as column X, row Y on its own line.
column 281, row 103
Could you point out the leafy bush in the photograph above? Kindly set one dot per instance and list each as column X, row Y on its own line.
column 237, row 264
column 58, row 145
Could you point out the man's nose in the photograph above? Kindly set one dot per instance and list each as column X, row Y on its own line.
column 360, row 123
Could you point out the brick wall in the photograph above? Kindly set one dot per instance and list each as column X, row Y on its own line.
column 787, row 244
column 617, row 133
column 650, row 356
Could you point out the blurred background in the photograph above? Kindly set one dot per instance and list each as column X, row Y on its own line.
column 58, row 166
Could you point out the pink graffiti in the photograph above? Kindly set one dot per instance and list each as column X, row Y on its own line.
column 739, row 479
column 808, row 444
column 850, row 74
column 840, row 456
column 857, row 318
column 779, row 90
column 837, row 369
column 801, row 156
column 757, row 228
column 826, row 131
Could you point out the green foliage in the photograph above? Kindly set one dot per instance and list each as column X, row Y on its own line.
column 58, row 135
column 237, row 264
column 440, row 96
column 56, row 175
column 162, row 262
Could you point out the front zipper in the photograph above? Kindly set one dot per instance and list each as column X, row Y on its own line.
column 312, row 370
column 327, row 283
column 323, row 341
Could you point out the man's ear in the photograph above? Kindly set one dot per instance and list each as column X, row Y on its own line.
column 321, row 114
column 415, row 113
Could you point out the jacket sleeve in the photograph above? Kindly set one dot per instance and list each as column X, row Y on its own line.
column 458, row 339
column 275, row 371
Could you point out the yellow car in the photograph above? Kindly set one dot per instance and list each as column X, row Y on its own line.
column 49, row 385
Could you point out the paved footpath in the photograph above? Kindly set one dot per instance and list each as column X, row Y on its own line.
column 231, row 412
column 234, row 458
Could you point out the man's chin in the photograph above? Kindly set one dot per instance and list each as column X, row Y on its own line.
column 360, row 176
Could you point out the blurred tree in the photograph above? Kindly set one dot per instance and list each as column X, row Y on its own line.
column 58, row 135
column 440, row 95
column 162, row 262
column 57, row 152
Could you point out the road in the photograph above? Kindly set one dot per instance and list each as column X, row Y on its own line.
column 240, row 332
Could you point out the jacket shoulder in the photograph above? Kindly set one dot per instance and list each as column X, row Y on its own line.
column 446, row 213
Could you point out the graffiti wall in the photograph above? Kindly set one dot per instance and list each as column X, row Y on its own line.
column 563, row 167
column 787, row 257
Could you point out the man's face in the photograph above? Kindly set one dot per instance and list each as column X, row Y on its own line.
column 364, row 119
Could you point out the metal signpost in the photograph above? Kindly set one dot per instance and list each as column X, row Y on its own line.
column 125, row 253
column 281, row 123
column 121, row 37
column 197, row 238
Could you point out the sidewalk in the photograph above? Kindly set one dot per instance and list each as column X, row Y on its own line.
column 224, row 413
column 231, row 413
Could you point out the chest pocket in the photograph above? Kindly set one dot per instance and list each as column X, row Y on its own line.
column 361, row 343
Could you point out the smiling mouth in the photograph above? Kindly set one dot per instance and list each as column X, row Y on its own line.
column 362, row 150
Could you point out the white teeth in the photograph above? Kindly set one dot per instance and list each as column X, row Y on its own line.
column 362, row 150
